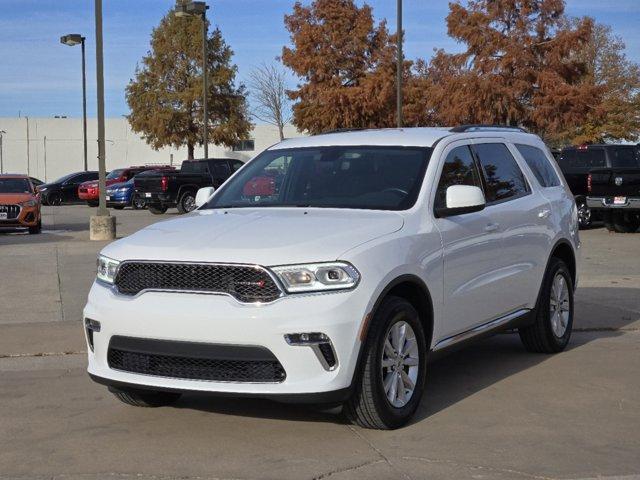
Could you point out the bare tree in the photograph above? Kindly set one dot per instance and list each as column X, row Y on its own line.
column 267, row 84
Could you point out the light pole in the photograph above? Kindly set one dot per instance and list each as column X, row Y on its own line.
column 399, row 66
column 71, row 40
column 2, row 132
column 199, row 9
column 102, row 226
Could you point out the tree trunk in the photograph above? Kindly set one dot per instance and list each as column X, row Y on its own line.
column 190, row 151
column 281, row 131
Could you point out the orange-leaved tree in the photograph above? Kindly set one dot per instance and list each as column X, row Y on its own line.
column 522, row 66
column 346, row 66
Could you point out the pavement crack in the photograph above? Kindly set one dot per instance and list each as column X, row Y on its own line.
column 42, row 354
column 59, row 283
column 607, row 329
column 480, row 467
column 375, row 449
column 348, row 469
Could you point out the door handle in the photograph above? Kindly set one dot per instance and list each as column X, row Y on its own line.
column 544, row 213
column 492, row 227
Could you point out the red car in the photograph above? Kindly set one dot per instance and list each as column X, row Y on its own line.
column 88, row 191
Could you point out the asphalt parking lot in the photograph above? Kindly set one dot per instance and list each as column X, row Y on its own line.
column 490, row 411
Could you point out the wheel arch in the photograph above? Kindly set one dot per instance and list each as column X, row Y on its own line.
column 564, row 251
column 415, row 291
column 184, row 188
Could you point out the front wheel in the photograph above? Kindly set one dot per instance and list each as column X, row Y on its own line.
column 37, row 229
column 138, row 203
column 389, row 385
column 157, row 209
column 552, row 326
column 149, row 399
column 584, row 214
column 54, row 199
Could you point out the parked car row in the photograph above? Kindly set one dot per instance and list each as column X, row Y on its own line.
column 158, row 187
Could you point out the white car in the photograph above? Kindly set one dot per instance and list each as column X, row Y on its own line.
column 330, row 268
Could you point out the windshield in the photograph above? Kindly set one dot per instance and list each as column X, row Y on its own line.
column 15, row 185
column 380, row 178
column 115, row 174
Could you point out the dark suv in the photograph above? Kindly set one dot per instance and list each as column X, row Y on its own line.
column 576, row 163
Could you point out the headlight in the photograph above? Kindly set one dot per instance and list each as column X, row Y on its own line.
column 317, row 277
column 29, row 203
column 107, row 269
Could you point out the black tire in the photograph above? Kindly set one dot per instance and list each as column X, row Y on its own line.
column 187, row 202
column 147, row 399
column 607, row 218
column 540, row 337
column 119, row 207
column 54, row 199
column 92, row 203
column 37, row 229
column 138, row 203
column 625, row 222
column 157, row 209
column 585, row 219
column 369, row 407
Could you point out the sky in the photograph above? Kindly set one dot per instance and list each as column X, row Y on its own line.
column 40, row 77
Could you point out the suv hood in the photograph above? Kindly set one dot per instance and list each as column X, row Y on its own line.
column 263, row 236
column 11, row 198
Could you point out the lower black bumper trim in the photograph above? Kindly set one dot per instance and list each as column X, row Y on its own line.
column 319, row 398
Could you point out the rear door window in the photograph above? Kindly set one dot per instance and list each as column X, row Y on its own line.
column 503, row 178
column 539, row 165
column 624, row 157
column 583, row 160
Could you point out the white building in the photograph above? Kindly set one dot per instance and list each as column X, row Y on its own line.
column 47, row 148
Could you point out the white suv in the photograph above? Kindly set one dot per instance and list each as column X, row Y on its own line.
column 331, row 268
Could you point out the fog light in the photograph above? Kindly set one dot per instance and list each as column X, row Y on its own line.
column 91, row 326
column 319, row 343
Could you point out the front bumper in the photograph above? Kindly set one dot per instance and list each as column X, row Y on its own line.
column 27, row 217
column 89, row 195
column 221, row 320
column 595, row 203
column 118, row 201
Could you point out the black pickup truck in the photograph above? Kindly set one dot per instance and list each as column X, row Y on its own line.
column 577, row 162
column 615, row 191
column 178, row 189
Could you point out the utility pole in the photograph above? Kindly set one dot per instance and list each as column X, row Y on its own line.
column 399, row 66
column 28, row 153
column 2, row 132
column 102, row 226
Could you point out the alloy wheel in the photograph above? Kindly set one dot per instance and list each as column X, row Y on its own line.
column 400, row 363
column 559, row 306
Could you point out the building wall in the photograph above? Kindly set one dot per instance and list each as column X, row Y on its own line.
column 54, row 146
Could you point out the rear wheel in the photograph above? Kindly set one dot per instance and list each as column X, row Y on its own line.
column 625, row 222
column 389, row 385
column 157, row 209
column 187, row 202
column 139, row 398
column 119, row 207
column 551, row 329
column 607, row 217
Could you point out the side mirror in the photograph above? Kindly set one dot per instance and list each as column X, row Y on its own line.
column 462, row 199
column 203, row 195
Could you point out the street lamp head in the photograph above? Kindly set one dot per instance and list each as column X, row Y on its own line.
column 71, row 39
column 190, row 9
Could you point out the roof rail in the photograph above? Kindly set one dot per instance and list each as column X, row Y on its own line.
column 486, row 128
column 342, row 130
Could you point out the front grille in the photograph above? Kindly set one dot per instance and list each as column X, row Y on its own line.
column 193, row 361
column 12, row 211
column 245, row 283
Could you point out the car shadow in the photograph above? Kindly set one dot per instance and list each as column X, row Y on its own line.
column 462, row 373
